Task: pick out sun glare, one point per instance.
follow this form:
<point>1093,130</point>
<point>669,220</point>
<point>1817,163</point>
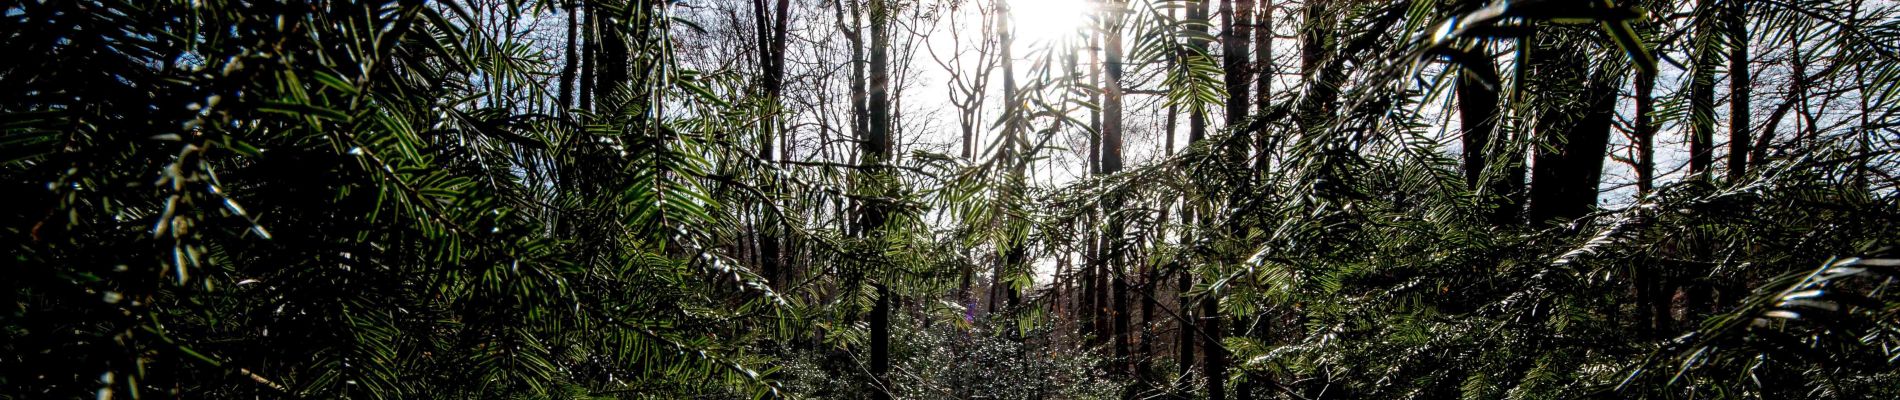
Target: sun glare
<point>1048,21</point>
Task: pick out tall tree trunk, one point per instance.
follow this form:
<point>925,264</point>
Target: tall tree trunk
<point>572,60</point>
<point>1016,254</point>
<point>1739,91</point>
<point>1702,100</point>
<point>1696,294</point>
<point>1645,133</point>
<point>1213,367</point>
<point>1111,164</point>
<point>876,146</point>
<point>1184,333</point>
<point>1264,72</point>
<point>1478,115</point>
<point>860,112</point>
<point>590,45</point>
<point>1574,120</point>
<point>1235,17</point>
<point>771,25</point>
<point>1652,304</point>
<point>612,75</point>
<point>1099,306</point>
<point>1316,39</point>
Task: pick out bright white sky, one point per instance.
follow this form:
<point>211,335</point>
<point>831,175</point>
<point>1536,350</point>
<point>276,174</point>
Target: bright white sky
<point>1044,21</point>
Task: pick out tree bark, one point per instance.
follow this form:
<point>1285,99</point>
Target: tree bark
<point>572,61</point>
<point>1263,71</point>
<point>1235,17</point>
<point>612,74</point>
<point>1739,91</point>
<point>771,25</point>
<point>1478,116</point>
<point>1645,133</point>
<point>1213,367</point>
<point>1702,102</point>
<point>1016,254</point>
<point>590,44</point>
<point>876,146</point>
<point>1575,114</point>
<point>1316,38</point>
<point>1111,164</point>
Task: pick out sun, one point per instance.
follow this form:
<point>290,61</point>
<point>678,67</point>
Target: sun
<point>1048,21</point>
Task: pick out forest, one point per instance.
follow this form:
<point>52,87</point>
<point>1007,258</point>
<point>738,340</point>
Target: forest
<point>950,199</point>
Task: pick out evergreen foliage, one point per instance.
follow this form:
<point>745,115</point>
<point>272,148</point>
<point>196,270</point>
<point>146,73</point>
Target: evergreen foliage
<point>404,199</point>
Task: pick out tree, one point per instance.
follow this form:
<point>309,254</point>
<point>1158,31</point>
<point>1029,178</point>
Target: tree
<point>875,147</point>
<point>1739,89</point>
<point>1574,113</point>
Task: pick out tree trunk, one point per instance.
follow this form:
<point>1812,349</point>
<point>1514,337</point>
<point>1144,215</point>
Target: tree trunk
<point>613,71</point>
<point>1478,115</point>
<point>881,343</point>
<point>1111,164</point>
<point>771,25</point>
<point>1574,120</point>
<point>1098,273</point>
<point>876,146</point>
<point>1215,366</point>
<point>1702,102</point>
<point>572,61</point>
<point>1264,71</point>
<point>1645,133</point>
<point>1652,302</point>
<point>860,112</point>
<point>590,45</point>
<point>1316,38</point>
<point>1016,253</point>
<point>1739,90</point>
<point>1213,369</point>
<point>1235,17</point>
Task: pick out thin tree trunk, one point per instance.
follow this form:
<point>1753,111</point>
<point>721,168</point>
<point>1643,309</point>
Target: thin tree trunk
<point>876,148</point>
<point>1702,103</point>
<point>1016,254</point>
<point>1739,90</point>
<point>1235,16</point>
<point>1215,366</point>
<point>1645,133</point>
<point>1478,115</point>
<point>1151,277</point>
<point>1652,309</point>
<point>1146,352</point>
<point>1098,272</point>
<point>1111,164</point>
<point>1321,88</point>
<point>1213,369</point>
<point>589,46</point>
<point>572,61</point>
<point>771,25</point>
<point>860,112</point>
<point>1264,71</point>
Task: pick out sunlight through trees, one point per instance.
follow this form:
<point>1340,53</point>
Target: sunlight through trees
<point>950,199</point>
